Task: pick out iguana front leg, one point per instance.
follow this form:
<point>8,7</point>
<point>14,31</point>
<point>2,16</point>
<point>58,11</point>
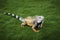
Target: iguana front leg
<point>33,28</point>
<point>40,26</point>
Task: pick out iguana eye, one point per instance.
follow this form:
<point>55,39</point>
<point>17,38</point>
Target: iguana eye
<point>39,17</point>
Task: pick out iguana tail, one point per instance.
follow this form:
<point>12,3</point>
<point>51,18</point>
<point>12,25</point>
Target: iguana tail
<point>15,16</point>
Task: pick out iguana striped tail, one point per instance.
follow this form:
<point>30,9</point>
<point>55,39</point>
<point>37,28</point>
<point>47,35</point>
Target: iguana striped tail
<point>15,16</point>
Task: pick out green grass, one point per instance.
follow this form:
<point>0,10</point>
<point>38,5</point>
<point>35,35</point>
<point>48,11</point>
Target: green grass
<point>10,28</point>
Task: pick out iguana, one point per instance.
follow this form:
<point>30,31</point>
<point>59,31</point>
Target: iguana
<point>35,22</point>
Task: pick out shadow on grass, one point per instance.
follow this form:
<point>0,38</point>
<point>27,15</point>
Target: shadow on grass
<point>56,3</point>
<point>3,3</point>
<point>55,35</point>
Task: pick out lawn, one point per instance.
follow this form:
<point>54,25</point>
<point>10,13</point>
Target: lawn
<point>10,28</point>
